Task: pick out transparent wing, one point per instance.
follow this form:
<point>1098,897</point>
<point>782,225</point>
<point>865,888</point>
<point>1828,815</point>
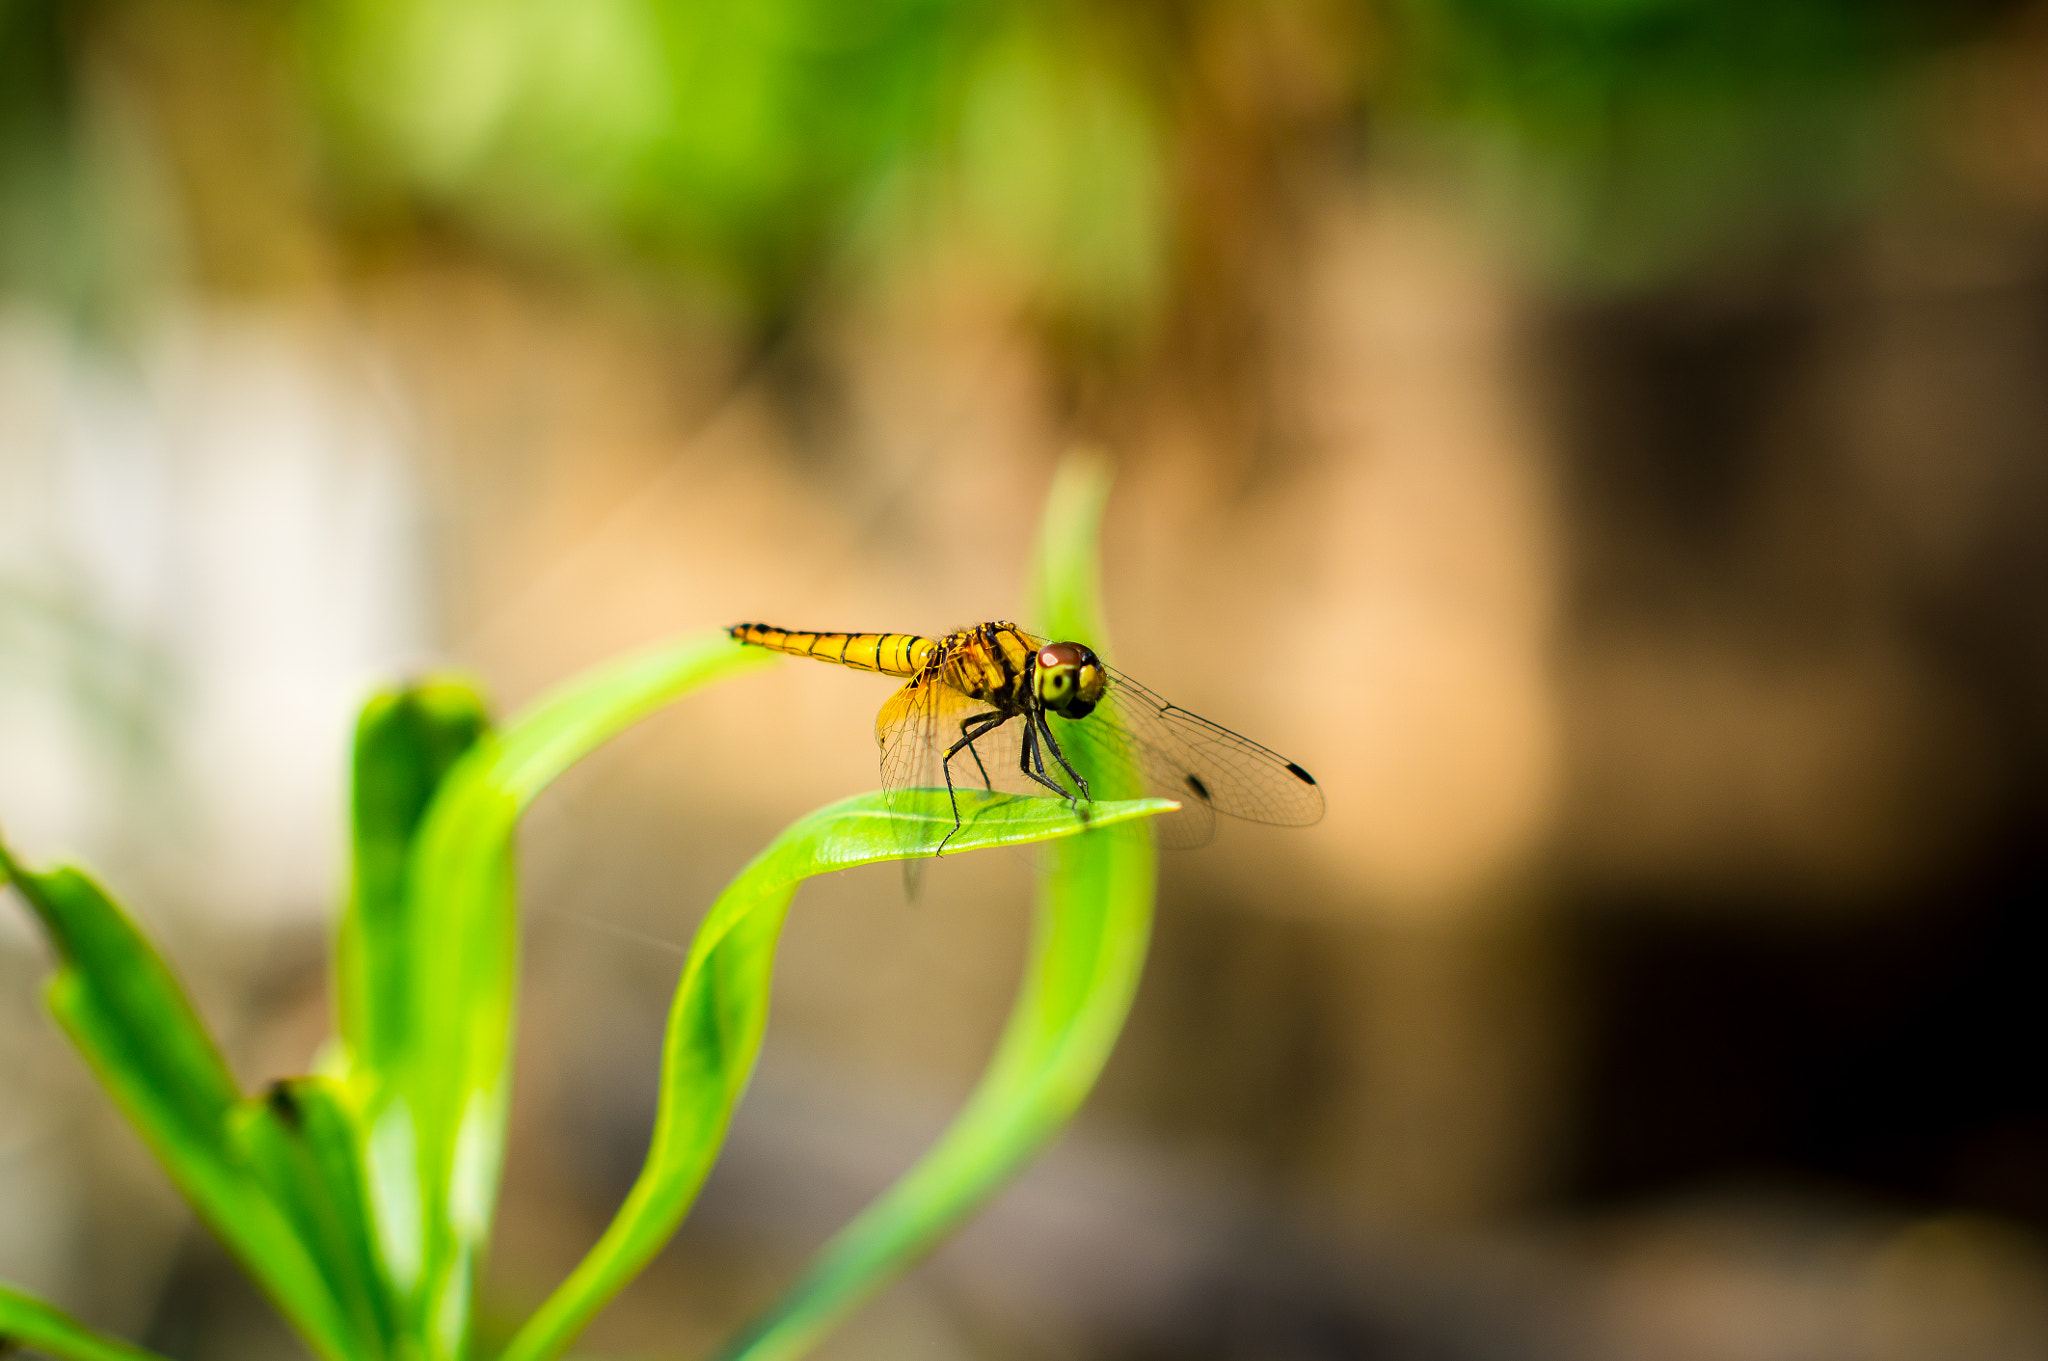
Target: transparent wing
<point>1187,755</point>
<point>1102,749</point>
<point>917,727</point>
<point>1135,743</point>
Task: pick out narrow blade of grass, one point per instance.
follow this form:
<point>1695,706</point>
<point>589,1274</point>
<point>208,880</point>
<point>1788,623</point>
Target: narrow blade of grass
<point>1088,948</point>
<point>126,1012</point>
<point>407,741</point>
<point>27,1322</point>
<point>433,1088</point>
<point>721,1005</point>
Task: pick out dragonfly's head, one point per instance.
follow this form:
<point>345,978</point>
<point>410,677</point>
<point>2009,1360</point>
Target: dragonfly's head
<point>1069,679</point>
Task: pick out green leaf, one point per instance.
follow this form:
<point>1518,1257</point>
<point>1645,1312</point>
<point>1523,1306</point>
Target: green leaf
<point>721,1005</point>
<point>28,1322</point>
<point>1088,948</point>
<point>407,740</point>
<point>302,1141</point>
<point>126,1012</point>
<point>432,1088</point>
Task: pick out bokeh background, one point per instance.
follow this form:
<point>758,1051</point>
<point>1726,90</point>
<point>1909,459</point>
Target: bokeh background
<point>1603,439</point>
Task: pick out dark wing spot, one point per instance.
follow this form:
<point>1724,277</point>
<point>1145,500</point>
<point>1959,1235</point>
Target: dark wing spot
<point>1201,790</point>
<point>1298,773</point>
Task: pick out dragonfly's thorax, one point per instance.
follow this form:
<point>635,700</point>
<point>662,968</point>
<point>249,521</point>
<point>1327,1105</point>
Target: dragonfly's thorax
<point>991,662</point>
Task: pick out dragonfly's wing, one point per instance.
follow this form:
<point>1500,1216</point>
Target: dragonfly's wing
<point>1135,743</point>
<point>1141,744</point>
<point>916,728</point>
<point>1230,773</point>
<point>1119,764</point>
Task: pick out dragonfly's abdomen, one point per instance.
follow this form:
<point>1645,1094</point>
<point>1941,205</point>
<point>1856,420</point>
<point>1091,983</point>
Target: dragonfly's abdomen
<point>892,654</point>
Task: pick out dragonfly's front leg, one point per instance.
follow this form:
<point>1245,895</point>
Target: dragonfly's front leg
<point>1028,757</point>
<point>1052,745</point>
<point>1033,764</point>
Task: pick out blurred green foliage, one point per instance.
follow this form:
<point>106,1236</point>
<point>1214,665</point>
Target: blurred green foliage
<point>361,1197</point>
<point>84,227</point>
<point>35,131</point>
<point>745,143</point>
<point>1617,140</point>
<point>742,153</point>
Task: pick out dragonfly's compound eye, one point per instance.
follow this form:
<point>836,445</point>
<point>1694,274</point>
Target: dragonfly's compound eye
<point>1070,679</point>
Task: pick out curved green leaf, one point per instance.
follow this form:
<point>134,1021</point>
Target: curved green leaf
<point>431,1089</point>
<point>1088,948</point>
<point>721,1005</point>
<point>27,1322</point>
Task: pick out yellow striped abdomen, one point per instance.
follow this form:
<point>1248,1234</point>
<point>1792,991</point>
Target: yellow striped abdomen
<point>892,654</point>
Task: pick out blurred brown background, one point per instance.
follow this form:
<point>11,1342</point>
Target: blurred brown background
<point>1602,439</point>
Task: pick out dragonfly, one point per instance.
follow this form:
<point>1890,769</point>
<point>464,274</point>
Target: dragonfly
<point>976,708</point>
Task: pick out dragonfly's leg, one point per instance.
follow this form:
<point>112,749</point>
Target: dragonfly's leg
<point>1052,745</point>
<point>1028,757</point>
<point>988,723</point>
<point>968,738</point>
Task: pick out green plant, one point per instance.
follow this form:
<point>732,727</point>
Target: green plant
<point>360,1198</point>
